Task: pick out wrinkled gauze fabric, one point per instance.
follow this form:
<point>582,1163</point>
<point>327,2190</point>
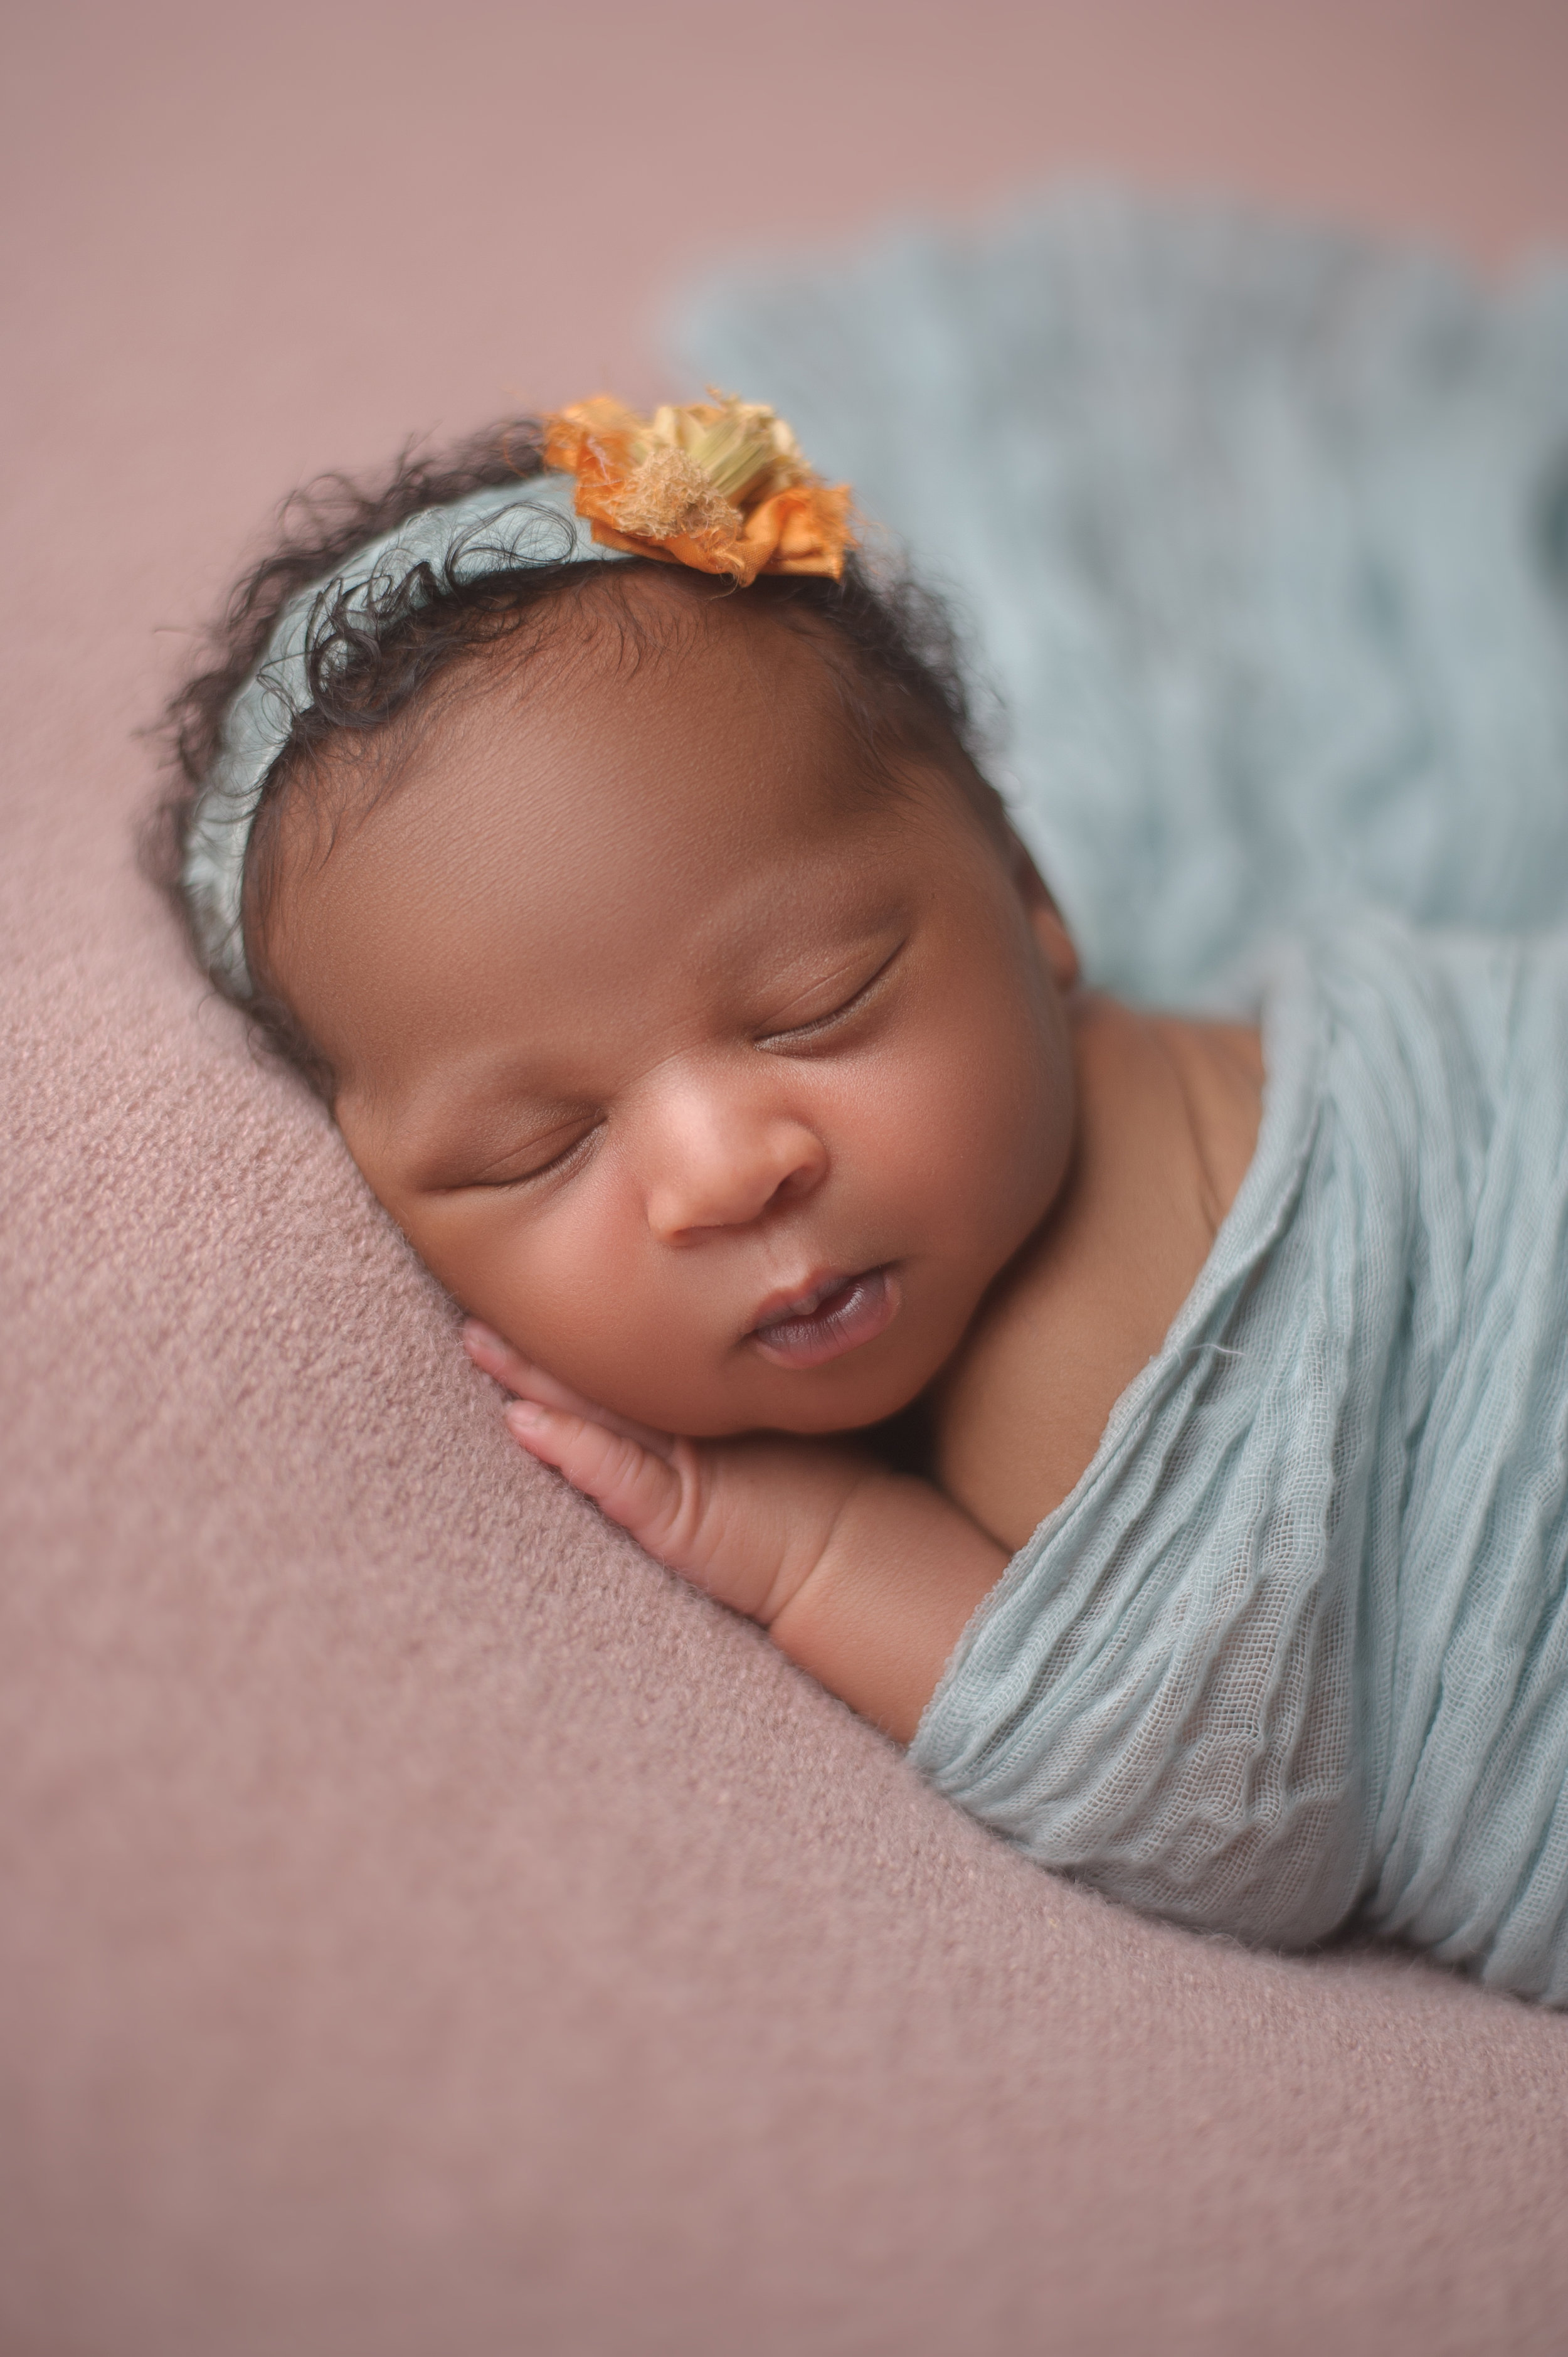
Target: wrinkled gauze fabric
<point>1298,1641</point>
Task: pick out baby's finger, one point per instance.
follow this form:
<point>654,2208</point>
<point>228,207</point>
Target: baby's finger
<point>497,1357</point>
<point>631,1484</point>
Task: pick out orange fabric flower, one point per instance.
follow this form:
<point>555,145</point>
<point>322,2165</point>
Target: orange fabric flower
<point>719,485</point>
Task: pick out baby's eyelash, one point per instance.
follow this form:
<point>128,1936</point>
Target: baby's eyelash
<point>836,1013</point>
<point>542,1169</point>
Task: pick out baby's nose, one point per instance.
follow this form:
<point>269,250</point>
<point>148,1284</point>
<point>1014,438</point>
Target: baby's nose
<point>720,1167</point>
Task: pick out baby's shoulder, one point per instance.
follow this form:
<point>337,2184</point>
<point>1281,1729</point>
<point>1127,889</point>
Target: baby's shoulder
<point>1166,1122</point>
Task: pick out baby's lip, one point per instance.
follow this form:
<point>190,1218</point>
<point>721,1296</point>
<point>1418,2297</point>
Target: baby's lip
<point>800,1301</point>
<point>835,1312</point>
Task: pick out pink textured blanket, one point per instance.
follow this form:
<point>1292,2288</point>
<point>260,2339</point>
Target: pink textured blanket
<point>426,1927</point>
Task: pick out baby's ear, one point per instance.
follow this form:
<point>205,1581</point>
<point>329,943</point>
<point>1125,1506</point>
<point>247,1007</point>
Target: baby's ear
<point>1056,943</point>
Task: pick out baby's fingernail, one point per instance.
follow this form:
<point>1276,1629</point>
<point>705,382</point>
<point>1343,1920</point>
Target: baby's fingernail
<point>526,1413</point>
<point>480,1338</point>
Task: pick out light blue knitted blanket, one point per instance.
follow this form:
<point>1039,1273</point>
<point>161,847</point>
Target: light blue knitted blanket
<point>1264,535</point>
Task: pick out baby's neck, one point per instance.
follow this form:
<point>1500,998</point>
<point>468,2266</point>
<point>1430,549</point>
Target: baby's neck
<point>1168,1121</point>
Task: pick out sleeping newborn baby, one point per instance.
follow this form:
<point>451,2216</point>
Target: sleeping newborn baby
<point>1157,1424</point>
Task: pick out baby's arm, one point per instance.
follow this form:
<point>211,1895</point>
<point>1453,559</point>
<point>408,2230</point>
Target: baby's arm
<point>863,1576</point>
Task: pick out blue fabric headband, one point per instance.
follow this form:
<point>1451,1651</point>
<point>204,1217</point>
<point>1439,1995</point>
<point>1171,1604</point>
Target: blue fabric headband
<point>492,531</point>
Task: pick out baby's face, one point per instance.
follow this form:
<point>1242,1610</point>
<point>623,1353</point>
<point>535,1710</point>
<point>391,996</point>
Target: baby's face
<point>717,1079</point>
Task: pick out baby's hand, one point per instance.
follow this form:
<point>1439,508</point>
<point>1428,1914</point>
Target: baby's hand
<point>865,1576</point>
<point>748,1519</point>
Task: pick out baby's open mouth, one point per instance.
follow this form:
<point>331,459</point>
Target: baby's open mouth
<point>834,1317</point>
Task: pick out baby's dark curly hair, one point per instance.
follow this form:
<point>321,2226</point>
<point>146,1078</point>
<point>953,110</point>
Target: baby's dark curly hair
<point>890,646</point>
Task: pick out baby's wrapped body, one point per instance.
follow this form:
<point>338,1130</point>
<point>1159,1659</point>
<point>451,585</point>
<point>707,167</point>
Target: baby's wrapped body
<point>1298,1644</point>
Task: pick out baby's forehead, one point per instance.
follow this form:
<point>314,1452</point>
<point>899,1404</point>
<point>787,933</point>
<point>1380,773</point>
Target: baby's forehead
<point>620,641</point>
<point>763,662</point>
<point>622,694</point>
<point>663,691</point>
<point>696,631</point>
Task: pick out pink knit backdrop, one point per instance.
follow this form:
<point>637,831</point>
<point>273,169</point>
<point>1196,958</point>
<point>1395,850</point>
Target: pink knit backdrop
<point>424,1927</point>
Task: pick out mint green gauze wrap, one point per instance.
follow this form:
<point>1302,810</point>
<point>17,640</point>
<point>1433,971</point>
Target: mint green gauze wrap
<point>1296,1646</point>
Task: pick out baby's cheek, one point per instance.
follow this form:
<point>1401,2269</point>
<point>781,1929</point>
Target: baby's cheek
<point>583,1296</point>
<point>524,1276</point>
<point>984,1136</point>
<point>561,1282</point>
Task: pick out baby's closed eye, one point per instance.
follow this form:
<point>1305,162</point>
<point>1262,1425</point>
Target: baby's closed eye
<point>525,1159</point>
<point>541,1159</point>
<point>827,1006</point>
